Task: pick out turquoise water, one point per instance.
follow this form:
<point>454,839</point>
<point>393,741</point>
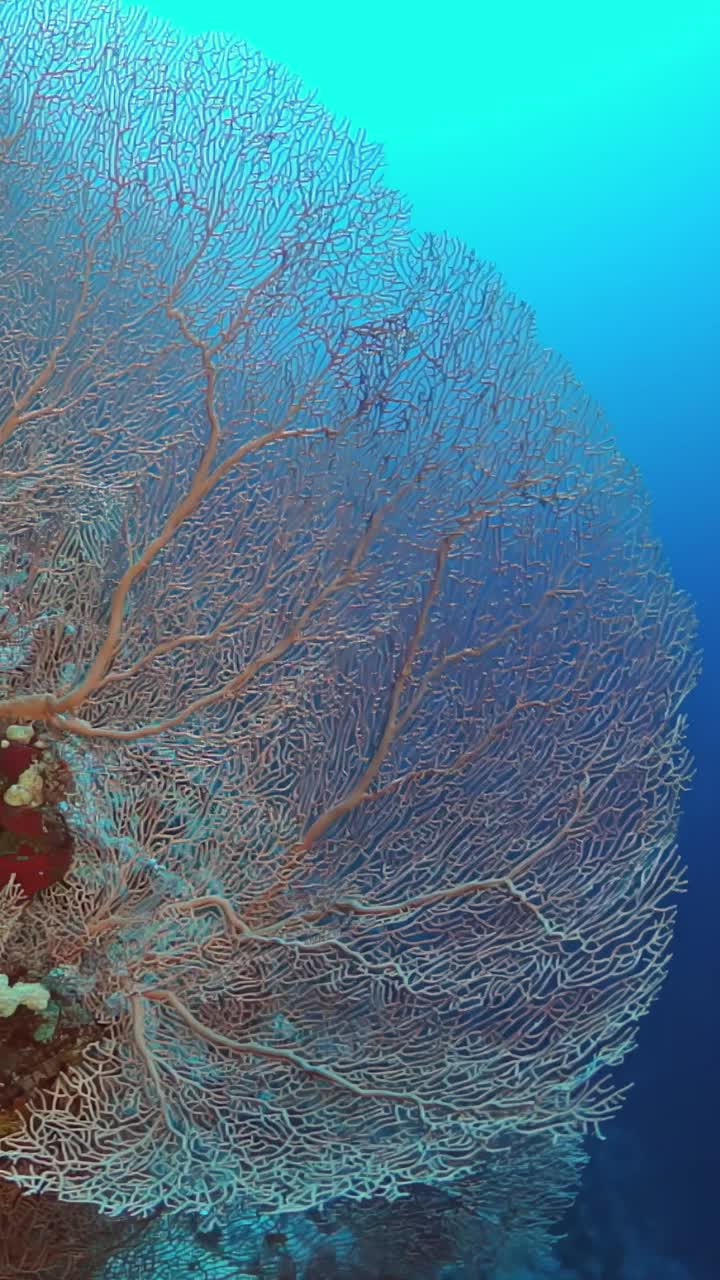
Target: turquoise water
<point>577,148</point>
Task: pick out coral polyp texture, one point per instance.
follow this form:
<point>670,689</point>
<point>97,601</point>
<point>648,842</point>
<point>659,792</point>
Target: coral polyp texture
<point>344,674</point>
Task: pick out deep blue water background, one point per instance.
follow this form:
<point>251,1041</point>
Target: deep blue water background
<point>577,148</point>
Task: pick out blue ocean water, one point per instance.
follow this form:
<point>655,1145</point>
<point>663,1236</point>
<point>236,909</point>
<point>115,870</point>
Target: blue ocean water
<point>576,147</point>
<point>577,150</point>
